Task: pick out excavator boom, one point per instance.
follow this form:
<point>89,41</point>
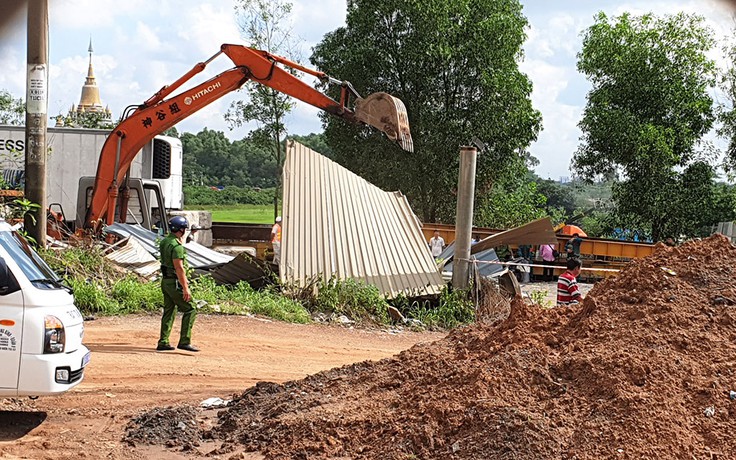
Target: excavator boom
<point>157,114</point>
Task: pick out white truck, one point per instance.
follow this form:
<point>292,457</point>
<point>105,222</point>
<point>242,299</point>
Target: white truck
<point>41,331</point>
<point>72,165</point>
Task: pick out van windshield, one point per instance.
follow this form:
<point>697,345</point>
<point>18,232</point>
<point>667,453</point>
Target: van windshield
<point>32,265</point>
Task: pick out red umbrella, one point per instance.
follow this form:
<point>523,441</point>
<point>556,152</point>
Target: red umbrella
<point>571,230</point>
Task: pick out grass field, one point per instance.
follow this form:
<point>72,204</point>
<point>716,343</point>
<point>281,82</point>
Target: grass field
<point>247,213</point>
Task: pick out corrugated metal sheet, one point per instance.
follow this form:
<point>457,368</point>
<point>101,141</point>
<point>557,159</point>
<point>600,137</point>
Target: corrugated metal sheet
<point>484,270</point>
<point>538,231</point>
<point>198,256</point>
<point>132,255</point>
<point>336,224</point>
<point>244,268</point>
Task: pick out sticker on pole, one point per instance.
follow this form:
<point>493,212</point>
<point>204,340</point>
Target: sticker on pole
<point>37,84</point>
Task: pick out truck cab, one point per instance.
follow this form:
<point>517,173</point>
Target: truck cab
<point>146,205</point>
<point>41,330</point>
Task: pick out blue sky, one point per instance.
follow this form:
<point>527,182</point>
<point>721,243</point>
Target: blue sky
<point>142,45</point>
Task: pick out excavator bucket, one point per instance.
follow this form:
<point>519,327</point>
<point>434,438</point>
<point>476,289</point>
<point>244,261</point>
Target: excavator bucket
<point>387,114</point>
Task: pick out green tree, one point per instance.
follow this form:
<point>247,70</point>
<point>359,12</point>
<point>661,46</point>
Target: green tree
<point>262,23</point>
<point>727,109</point>
<point>559,196</point>
<point>647,111</point>
<point>211,159</point>
<point>454,64</point>
<point>12,110</point>
<point>512,204</point>
<point>257,160</point>
<point>316,142</point>
<point>90,120</point>
<point>208,160</point>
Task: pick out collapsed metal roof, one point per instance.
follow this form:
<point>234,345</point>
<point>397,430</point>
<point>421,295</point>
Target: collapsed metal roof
<point>198,256</point>
<point>336,224</point>
<point>484,269</point>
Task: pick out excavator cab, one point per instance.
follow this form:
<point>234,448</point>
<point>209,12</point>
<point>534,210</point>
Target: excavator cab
<point>388,115</point>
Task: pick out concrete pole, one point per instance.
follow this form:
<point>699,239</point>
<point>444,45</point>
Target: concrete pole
<point>464,219</point>
<point>36,110</point>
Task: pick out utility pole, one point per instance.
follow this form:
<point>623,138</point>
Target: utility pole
<point>36,110</point>
<point>464,219</point>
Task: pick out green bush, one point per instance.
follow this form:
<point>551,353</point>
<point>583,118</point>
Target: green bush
<point>454,309</point>
<point>91,298</point>
<point>206,196</point>
<point>356,300</point>
<point>242,299</point>
<point>133,295</point>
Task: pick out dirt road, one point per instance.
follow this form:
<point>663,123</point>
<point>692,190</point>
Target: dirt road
<point>126,376</point>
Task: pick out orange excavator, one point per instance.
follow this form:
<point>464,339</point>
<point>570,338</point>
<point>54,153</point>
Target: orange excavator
<point>142,123</point>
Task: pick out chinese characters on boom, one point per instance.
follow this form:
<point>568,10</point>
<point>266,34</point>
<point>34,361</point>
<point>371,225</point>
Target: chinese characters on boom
<point>161,115</point>
<point>174,107</point>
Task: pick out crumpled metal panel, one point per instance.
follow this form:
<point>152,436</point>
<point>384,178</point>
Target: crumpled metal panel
<point>198,256</point>
<point>132,255</point>
<point>243,267</point>
<point>336,224</point>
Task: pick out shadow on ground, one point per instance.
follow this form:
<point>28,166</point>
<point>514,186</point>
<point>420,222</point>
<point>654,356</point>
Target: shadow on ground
<point>16,424</point>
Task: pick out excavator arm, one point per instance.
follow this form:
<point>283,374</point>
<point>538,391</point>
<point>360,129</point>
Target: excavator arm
<point>380,110</point>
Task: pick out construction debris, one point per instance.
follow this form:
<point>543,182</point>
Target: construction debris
<point>631,371</point>
<point>338,225</point>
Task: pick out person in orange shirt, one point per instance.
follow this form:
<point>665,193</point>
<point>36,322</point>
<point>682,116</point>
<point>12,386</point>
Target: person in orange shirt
<point>276,240</point>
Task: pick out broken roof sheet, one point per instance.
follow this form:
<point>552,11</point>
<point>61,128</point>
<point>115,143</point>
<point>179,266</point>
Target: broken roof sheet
<point>132,255</point>
<point>198,256</point>
<point>244,268</point>
<point>336,224</point>
<point>539,231</point>
<point>484,269</point>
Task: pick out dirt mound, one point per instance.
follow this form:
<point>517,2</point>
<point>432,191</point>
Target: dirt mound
<point>171,426</point>
<point>642,369</point>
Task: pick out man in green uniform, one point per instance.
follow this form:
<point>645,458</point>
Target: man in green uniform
<point>175,288</point>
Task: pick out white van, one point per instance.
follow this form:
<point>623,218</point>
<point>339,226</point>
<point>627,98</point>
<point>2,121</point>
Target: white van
<point>41,331</point>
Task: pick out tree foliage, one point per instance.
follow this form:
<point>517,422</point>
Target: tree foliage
<point>12,110</point>
<point>263,25</point>
<point>316,142</point>
<point>645,117</point>
<point>454,64</point>
<point>211,159</point>
<point>90,120</point>
<point>511,205</point>
<point>727,111</point>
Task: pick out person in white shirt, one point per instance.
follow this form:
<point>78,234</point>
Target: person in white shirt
<point>436,244</point>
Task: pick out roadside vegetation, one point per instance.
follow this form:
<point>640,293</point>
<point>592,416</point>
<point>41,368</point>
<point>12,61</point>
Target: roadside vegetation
<point>239,213</point>
<point>102,288</point>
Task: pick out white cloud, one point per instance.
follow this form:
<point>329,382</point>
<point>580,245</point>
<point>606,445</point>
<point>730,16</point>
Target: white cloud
<point>13,76</point>
<point>209,26</point>
<point>83,14</point>
<point>142,45</point>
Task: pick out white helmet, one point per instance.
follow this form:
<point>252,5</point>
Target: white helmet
<point>278,219</point>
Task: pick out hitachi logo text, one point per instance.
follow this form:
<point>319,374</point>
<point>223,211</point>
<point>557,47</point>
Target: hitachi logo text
<point>206,90</point>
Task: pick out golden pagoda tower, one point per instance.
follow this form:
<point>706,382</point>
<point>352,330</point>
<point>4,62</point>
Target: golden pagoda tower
<point>90,112</point>
<point>90,100</point>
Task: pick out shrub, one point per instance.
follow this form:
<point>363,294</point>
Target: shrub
<point>133,295</point>
<point>454,309</point>
<point>206,196</point>
<point>355,299</point>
